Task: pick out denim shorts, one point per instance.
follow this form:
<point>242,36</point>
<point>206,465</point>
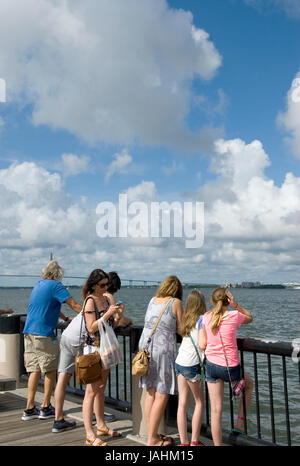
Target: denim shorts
<point>191,373</point>
<point>215,372</point>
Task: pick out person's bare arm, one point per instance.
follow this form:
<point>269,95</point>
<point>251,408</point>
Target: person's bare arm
<point>177,311</point>
<point>118,314</point>
<point>73,305</point>
<point>90,315</point>
<point>202,338</point>
<point>242,310</point>
<point>6,311</point>
<point>125,322</point>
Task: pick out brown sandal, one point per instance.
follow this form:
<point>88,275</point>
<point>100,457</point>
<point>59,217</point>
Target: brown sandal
<point>107,430</point>
<point>91,442</point>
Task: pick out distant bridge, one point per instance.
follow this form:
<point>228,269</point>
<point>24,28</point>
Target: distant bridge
<point>125,281</point>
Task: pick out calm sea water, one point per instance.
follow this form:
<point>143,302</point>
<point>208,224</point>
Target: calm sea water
<point>276,312</point>
<point>276,315</point>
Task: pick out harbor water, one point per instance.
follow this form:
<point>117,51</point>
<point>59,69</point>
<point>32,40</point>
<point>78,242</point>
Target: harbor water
<point>276,315</point>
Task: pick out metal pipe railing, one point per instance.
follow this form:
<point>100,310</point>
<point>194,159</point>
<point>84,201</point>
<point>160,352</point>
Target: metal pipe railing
<point>119,389</point>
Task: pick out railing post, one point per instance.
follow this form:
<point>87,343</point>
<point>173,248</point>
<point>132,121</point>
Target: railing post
<point>138,394</point>
<point>286,401</point>
<point>257,396</point>
<point>11,340</point>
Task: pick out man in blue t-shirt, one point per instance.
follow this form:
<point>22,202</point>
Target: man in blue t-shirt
<point>41,346</point>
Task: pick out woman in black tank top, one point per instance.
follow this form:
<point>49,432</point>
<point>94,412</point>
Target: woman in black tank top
<point>94,288</point>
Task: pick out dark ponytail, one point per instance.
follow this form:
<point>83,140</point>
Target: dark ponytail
<point>95,277</point>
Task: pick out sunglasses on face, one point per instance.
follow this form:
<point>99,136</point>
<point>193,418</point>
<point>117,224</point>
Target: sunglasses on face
<point>103,285</point>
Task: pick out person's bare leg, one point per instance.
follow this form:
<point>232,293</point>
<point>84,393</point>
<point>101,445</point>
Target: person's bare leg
<point>59,394</point>
<point>156,415</point>
<point>198,394</point>
<point>216,394</point>
<point>248,395</point>
<point>87,408</point>
<point>148,403</point>
<point>91,391</point>
<point>183,403</point>
<point>33,382</point>
<point>49,382</point>
<point>99,400</point>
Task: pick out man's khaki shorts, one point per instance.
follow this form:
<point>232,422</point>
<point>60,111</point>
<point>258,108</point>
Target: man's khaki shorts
<point>40,353</point>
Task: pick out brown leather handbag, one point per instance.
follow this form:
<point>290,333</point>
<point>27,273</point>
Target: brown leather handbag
<point>88,367</point>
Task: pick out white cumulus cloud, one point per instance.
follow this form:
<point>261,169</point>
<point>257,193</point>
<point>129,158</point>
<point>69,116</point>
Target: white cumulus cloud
<point>73,164</point>
<point>290,119</point>
<point>119,165</point>
<point>251,224</point>
<point>109,71</point>
<point>290,7</point>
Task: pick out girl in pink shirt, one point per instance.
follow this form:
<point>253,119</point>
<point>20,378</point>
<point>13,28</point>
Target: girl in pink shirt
<point>219,325</point>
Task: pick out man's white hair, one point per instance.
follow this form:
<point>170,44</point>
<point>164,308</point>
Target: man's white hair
<point>53,271</point>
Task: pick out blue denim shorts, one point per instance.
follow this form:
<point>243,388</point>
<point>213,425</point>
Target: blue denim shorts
<point>191,373</point>
<point>215,372</point>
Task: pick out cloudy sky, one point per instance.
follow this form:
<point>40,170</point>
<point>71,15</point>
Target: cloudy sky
<point>178,101</point>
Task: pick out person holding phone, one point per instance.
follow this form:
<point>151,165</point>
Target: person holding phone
<point>70,341</point>
<point>220,325</point>
<point>114,286</point>
<point>97,306</point>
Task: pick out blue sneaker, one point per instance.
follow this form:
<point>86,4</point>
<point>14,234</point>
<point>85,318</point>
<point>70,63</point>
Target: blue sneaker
<point>47,413</point>
<point>62,425</point>
<point>107,418</point>
<point>29,414</point>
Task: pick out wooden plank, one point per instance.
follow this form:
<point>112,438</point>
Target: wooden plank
<point>7,383</point>
<point>37,432</point>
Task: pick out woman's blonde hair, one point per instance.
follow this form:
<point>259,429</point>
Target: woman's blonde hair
<point>171,286</point>
<point>53,271</point>
<point>195,306</point>
<point>219,299</point>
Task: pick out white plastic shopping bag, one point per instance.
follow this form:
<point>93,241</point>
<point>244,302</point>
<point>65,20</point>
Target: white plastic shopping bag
<point>109,346</point>
<point>88,349</point>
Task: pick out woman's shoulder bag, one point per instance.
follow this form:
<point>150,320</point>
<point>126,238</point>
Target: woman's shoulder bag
<point>88,367</point>
<point>140,362</point>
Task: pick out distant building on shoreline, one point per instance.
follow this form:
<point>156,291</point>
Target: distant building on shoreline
<point>258,285</point>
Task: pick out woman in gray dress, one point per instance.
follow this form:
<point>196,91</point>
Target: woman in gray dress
<point>160,381</point>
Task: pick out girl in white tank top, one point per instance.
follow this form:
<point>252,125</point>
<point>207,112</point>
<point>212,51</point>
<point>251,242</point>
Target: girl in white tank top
<point>188,367</point>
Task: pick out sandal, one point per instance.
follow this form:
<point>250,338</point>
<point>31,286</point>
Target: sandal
<point>164,437</point>
<point>184,444</point>
<point>239,431</point>
<point>91,442</point>
<point>109,432</point>
<point>163,443</point>
<point>197,443</point>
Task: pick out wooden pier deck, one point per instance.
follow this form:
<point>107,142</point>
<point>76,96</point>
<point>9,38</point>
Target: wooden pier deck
<point>36,432</point>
